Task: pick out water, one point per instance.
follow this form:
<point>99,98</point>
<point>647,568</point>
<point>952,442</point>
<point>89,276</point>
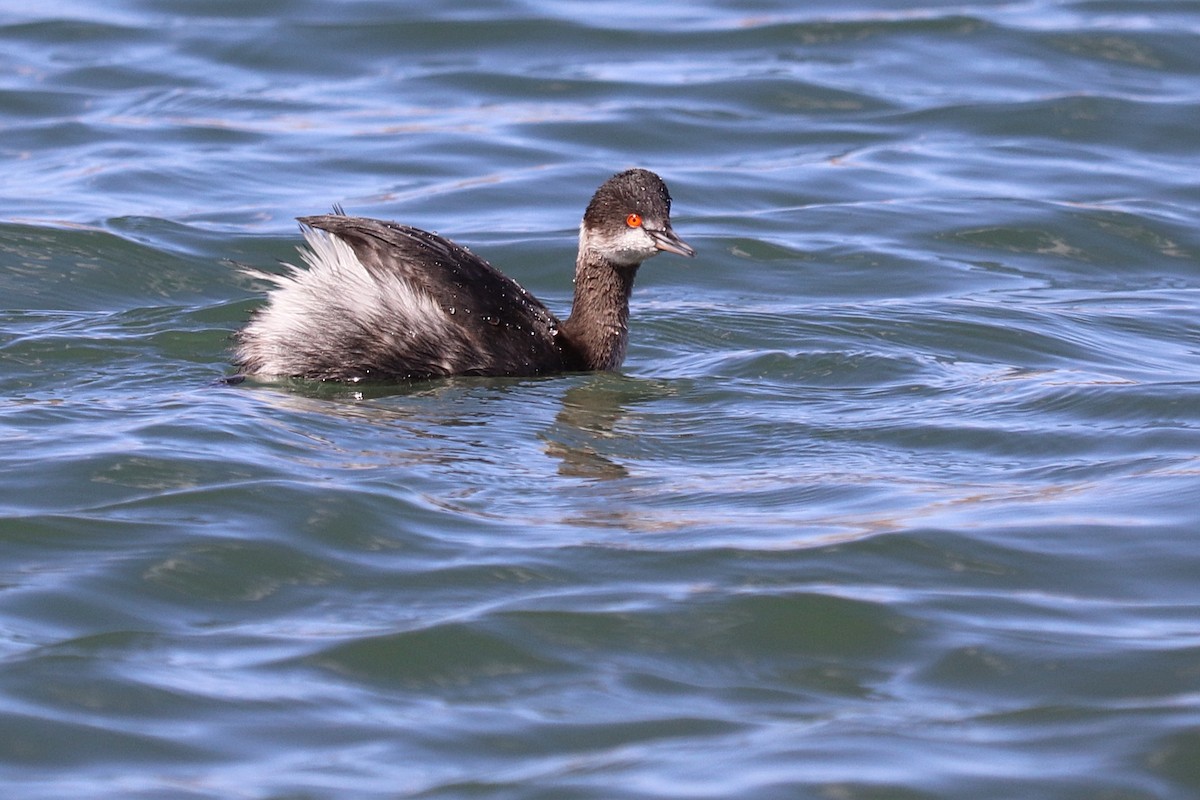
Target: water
<point>895,497</point>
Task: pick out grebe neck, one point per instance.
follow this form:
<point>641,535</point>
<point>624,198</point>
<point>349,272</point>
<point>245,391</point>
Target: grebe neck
<point>598,328</point>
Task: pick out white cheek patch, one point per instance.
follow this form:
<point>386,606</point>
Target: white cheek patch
<point>628,246</point>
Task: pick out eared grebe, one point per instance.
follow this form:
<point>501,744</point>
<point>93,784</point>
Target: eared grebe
<point>382,301</point>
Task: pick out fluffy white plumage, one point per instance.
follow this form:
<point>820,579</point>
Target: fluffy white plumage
<point>336,293</point>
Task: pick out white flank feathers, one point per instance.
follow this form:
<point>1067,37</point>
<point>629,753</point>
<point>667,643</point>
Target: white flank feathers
<point>335,295</point>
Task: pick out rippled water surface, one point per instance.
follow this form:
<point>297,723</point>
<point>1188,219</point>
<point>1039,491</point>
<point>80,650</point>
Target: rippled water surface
<point>897,494</point>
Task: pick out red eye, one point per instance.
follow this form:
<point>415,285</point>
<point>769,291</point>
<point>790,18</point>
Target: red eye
<point>634,220</point>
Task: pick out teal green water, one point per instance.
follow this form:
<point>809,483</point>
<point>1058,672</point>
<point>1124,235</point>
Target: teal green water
<point>897,494</point>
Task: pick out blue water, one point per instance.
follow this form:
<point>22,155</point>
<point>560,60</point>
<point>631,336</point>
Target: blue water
<point>896,496</point>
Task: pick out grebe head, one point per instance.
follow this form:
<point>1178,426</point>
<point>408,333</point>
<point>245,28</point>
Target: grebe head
<point>629,220</point>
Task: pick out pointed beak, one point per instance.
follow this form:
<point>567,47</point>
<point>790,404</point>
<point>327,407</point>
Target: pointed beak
<point>668,242</point>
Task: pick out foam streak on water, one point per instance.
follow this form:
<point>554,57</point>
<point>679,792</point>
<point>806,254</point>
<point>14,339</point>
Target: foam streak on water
<point>895,497</point>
